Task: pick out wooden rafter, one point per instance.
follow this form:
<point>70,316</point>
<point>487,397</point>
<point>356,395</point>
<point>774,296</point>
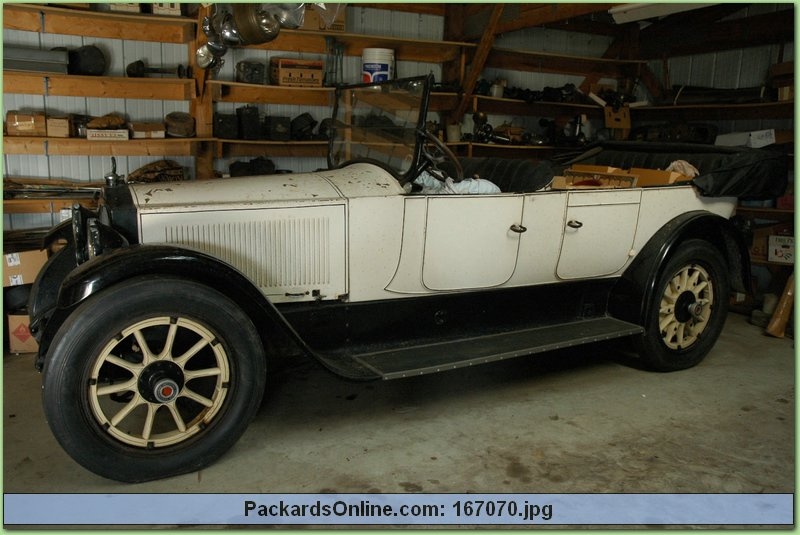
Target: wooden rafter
<point>521,16</point>
<point>478,61</point>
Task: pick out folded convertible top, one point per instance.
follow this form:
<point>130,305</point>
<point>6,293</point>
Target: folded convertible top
<point>750,174</point>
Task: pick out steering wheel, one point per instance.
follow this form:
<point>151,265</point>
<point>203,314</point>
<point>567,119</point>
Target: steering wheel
<point>438,154</point>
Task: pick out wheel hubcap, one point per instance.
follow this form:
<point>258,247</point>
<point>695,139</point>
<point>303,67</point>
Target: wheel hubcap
<point>159,382</point>
<point>686,307</point>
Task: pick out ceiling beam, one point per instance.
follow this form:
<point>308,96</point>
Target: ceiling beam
<point>665,40</point>
<point>522,16</point>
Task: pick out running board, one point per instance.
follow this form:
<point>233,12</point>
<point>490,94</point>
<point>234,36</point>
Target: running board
<point>395,363</point>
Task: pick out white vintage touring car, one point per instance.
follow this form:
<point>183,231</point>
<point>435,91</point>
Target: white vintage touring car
<point>156,319</point>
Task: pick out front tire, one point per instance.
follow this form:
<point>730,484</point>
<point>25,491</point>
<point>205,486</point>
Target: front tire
<point>152,378</point>
<point>687,310</point>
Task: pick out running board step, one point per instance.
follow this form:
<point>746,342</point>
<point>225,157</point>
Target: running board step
<point>449,355</point>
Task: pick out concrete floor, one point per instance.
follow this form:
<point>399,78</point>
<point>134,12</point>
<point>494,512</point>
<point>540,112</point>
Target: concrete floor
<point>567,422</point>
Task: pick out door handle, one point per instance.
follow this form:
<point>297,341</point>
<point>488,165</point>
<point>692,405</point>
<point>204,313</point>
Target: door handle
<point>574,224</point>
<point>519,229</point>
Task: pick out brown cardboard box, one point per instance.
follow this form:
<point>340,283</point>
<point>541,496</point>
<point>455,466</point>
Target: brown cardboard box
<point>147,130</point>
<point>22,268</point>
<point>98,134</point>
<point>26,124</point>
<point>20,339</point>
<point>128,7</point>
<point>59,126</point>
<point>296,72</point>
<point>314,22</point>
<point>781,249</point>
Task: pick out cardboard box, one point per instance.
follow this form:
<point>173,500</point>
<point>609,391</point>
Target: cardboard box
<point>781,249</point>
<point>97,134</point>
<point>760,245</point>
<point>313,21</point>
<point>296,72</point>
<point>26,124</point>
<point>754,139</point>
<point>22,268</point>
<point>147,130</point>
<point>166,8</point>
<point>59,126</point>
<point>127,7</point>
<point>20,339</point>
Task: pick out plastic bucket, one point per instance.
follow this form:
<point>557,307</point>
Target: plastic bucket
<point>377,64</point>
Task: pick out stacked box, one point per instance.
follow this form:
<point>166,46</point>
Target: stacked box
<point>296,72</point>
<point>22,267</point>
<point>26,124</point>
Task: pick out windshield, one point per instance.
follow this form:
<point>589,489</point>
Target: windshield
<point>378,123</point>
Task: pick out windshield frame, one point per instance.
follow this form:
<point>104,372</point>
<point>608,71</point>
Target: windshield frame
<point>404,161</point>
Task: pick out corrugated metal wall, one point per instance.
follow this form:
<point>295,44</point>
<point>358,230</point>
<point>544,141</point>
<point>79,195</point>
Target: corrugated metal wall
<point>741,68</point>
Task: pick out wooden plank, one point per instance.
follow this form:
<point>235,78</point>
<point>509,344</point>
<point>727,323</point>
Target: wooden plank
<point>24,145</point>
<point>423,8</point>
<point>152,28</point>
<point>354,45</point>
<point>274,149</point>
<point>518,16</point>
<point>131,147</point>
<point>42,18</point>
<point>519,60</point>
<point>22,17</point>
<point>271,94</point>
<point>478,62</point>
<point>24,83</point>
<point>44,206</point>
<point>506,106</point>
<point>699,38</point>
<point>82,147</point>
<point>119,87</point>
<point>716,112</point>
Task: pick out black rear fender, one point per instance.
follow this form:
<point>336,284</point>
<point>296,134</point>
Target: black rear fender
<point>155,261</point>
<point>630,297</point>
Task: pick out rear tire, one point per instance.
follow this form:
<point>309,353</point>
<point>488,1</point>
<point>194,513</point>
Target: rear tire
<point>152,378</point>
<point>688,308</point>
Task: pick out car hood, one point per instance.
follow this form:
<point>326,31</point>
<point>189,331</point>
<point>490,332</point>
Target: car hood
<point>357,180</point>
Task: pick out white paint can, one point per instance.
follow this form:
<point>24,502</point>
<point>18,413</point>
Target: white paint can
<point>377,64</point>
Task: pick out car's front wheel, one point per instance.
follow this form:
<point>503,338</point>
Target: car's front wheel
<point>152,378</point>
<point>688,308</point>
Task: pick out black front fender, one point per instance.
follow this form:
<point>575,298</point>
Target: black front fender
<point>630,297</point>
<point>156,261</point>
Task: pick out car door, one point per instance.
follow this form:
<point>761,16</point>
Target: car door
<point>599,229</point>
<point>471,241</point>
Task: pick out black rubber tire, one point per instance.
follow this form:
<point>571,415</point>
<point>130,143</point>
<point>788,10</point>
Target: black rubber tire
<point>662,351</point>
<point>97,324</point>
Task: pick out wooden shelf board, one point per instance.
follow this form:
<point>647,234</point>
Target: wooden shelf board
<point>231,148</point>
<point>354,44</point>
<point>82,147</point>
<point>223,91</point>
<point>714,112</point>
<point>507,106</point>
<point>55,84</point>
<point>86,23</point>
<point>37,206</point>
<point>520,60</point>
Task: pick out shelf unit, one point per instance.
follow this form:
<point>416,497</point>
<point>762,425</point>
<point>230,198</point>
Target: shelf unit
<point>112,25</point>
<point>184,30</point>
<point>46,19</point>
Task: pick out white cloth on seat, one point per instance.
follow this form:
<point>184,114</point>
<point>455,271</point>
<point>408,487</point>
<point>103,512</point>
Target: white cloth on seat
<point>433,186</point>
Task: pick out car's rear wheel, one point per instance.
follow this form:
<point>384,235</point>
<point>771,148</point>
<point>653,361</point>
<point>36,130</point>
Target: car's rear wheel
<point>688,308</point>
<point>152,378</point>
